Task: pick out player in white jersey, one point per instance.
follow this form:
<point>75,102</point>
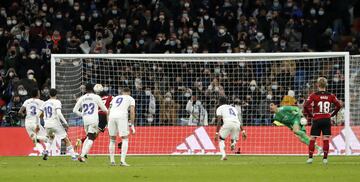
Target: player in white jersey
<point>55,123</point>
<point>89,104</point>
<point>32,120</point>
<point>228,115</point>
<point>119,123</point>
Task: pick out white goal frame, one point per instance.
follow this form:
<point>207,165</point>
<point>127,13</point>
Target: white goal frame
<point>242,56</point>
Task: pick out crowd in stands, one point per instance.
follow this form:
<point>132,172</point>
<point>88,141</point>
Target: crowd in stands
<point>32,30</point>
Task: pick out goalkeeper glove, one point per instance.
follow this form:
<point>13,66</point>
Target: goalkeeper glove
<point>277,123</point>
<point>303,121</point>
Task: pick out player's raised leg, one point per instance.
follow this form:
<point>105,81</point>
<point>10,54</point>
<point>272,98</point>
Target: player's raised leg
<point>303,137</point>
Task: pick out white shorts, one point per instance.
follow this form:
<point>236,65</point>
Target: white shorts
<point>118,126</point>
<point>92,128</point>
<point>59,131</point>
<point>233,129</point>
<point>31,129</point>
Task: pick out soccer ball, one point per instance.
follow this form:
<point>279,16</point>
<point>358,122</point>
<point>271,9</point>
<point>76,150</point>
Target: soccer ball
<point>98,88</point>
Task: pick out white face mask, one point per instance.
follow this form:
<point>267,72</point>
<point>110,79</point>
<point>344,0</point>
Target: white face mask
<point>106,89</point>
<point>217,70</point>
<point>31,76</point>
<point>252,88</point>
<point>32,56</point>
<point>206,17</point>
<point>221,31</point>
<point>312,11</point>
<point>148,92</point>
<point>198,102</point>
<point>82,18</point>
<point>22,92</point>
<point>241,64</point>
<point>167,99</point>
<point>336,79</point>
<point>11,74</point>
<point>187,94</point>
<point>269,97</point>
<point>274,87</point>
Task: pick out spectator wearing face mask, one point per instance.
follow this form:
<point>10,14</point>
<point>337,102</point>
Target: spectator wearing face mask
<point>168,108</point>
<point>73,46</point>
<point>223,40</point>
<point>27,83</point>
<point>36,34</point>
<point>22,92</point>
<point>198,114</point>
<point>11,59</point>
<point>9,84</point>
<point>33,64</point>
<point>103,38</point>
<point>12,118</point>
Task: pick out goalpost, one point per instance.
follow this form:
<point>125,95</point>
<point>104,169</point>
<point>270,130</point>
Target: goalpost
<point>176,97</point>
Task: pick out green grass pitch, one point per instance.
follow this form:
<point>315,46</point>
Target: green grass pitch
<point>181,168</point>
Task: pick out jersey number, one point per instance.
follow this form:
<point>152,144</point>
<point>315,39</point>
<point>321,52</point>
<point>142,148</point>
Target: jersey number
<point>231,111</point>
<point>33,110</point>
<point>89,108</point>
<point>119,101</point>
<point>324,106</point>
<point>48,112</point>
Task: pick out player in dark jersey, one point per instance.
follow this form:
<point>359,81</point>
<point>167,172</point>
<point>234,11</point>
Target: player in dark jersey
<point>106,98</point>
<point>318,106</point>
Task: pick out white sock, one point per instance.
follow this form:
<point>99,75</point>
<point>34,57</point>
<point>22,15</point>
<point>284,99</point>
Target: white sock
<point>49,144</point>
<point>112,150</point>
<point>71,151</point>
<point>88,146</point>
<point>222,148</point>
<point>124,149</point>
<point>83,150</point>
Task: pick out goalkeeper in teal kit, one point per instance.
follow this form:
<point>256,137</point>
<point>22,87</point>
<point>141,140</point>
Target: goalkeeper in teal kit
<point>292,117</point>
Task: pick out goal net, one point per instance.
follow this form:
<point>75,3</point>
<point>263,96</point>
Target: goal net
<point>176,97</point>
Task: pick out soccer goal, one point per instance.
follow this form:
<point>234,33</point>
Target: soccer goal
<point>176,97</point>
